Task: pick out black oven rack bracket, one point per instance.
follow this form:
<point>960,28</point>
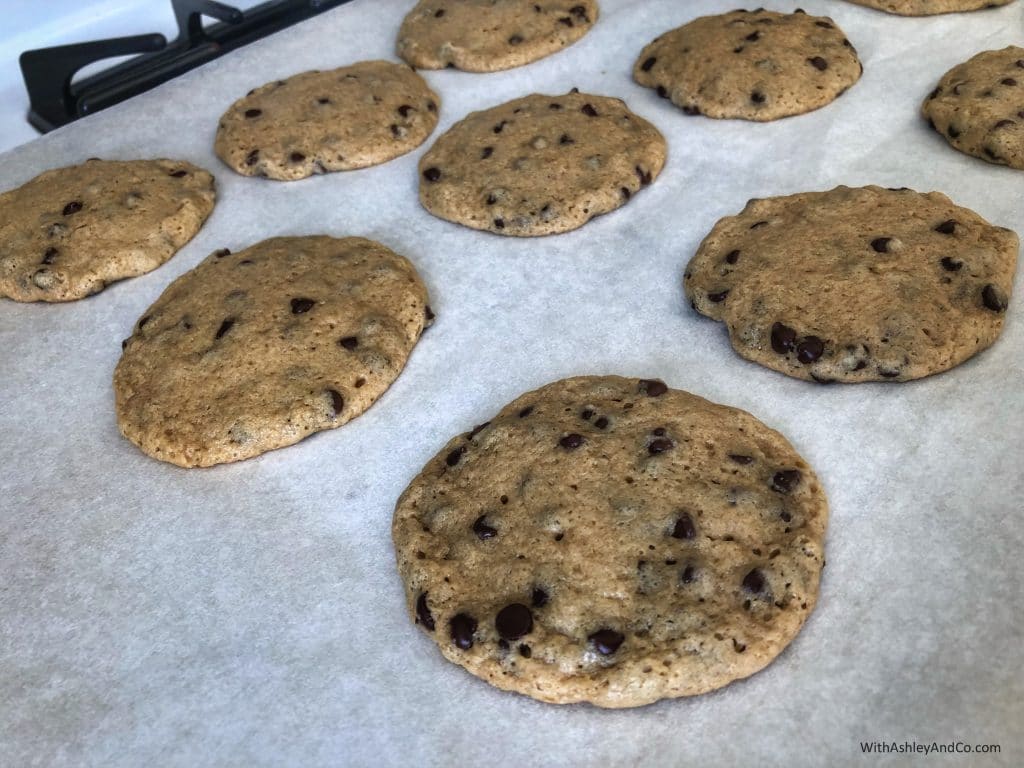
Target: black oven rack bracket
<point>48,72</point>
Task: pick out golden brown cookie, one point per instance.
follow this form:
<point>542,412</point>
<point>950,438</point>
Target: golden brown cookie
<point>540,165</point>
<point>319,122</point>
<point>490,35</point>
<point>929,7</point>
<point>614,541</point>
<point>852,285</point>
<point>70,232</point>
<point>257,350</point>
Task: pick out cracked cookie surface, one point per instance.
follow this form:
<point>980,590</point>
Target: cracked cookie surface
<point>855,284</point>
<point>69,232</point>
<point>257,350</point>
<point>612,540</point>
<point>491,35</point>
<point>540,165</point>
<point>978,106</point>
<point>754,65</point>
<point>319,122</point>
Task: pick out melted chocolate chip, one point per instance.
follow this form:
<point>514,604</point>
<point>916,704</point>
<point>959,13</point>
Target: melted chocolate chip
<point>566,139</point>
<point>525,652</point>
<point>73,207</point>
<point>718,296</point>
<point>486,152</point>
<point>684,528</point>
<point>477,430</point>
<point>300,306</point>
<point>296,157</point>
<point>645,176</point>
<point>515,40</point>
<point>526,412</point>
<point>732,257</point>
<point>688,575</point>
<point>601,423</point>
<point>178,174</point>
<point>783,338</point>
<point>348,342</point>
<point>739,459</point>
<point>785,480</point>
<point>993,298</point>
<point>455,456</point>
<point>423,615</point>
<point>951,265</point>
<point>50,255</point>
<point>428,313</point>
<point>514,621</point>
<point>252,157</point>
<point>881,244</point>
<point>572,441</point>
<point>482,530</point>
<point>224,328</point>
<point>432,174</point>
<point>250,113</point>
<point>653,387</point>
<point>1008,81</point>
<point>462,627</point>
<point>659,445</point>
<point>754,582</point>
<point>337,401</point>
<point>818,63</point>
<point>539,598</point>
<point>809,349</point>
<point>753,36</point>
<point>757,97</point>
<point>606,641</point>
<point>947,227</point>
<point>648,63</point>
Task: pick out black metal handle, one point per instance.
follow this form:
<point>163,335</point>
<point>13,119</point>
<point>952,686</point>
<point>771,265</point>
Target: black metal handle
<point>189,14</point>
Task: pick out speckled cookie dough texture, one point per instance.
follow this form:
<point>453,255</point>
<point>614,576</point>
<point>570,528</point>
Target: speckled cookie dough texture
<point>978,106</point>
<point>614,541</point>
<point>754,65</point>
<point>70,232</point>
<point>256,350</point>
<point>540,165</point>
<point>319,122</point>
<point>852,285</point>
<point>490,35</point>
<point>929,7</point>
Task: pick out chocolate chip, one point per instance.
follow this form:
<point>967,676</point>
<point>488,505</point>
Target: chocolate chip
<point>783,338</point>
<point>753,36</point>
<point>626,194</point>
<point>1003,124</point>
<point>648,63</point>
<point>224,328</point>
<point>659,445</point>
<point>539,598</point>
<point>588,110</point>
<point>690,110</point>
<point>525,652</point>
<point>432,174</point>
<point>754,582</point>
<point>659,432</point>
<point>428,313</point>
<point>809,349</point>
<point>498,128</point>
<point>823,24</point>
<point>486,152</point>
<point>684,528</point>
<point>491,199</point>
<point>431,106</point>
<point>718,296</point>
<point>325,100</point>
<point>482,530</point>
<point>757,97</point>
<point>935,92</point>
<point>359,382</point>
<point>499,223</point>
<point>566,139</point>
<point>515,40</point>
<point>462,627</point>
<point>73,207</point>
<point>477,430</point>
<point>951,265</point>
<point>178,174</point>
<point>740,459</point>
<point>785,480</point>
<point>526,412</point>
<point>947,227</point>
<point>759,224</point>
<point>337,401</point>
<point>606,641</point>
<point>513,621</point>
<point>349,342</point>
<point>644,176</point>
<point>50,255</point>
<point>688,575</point>
<point>423,615</point>
<point>554,106</point>
<point>993,298</point>
<point>253,113</point>
<point>653,387</point>
<point>587,414</point>
<point>601,423</point>
<point>1008,81</point>
<point>818,63</point>
<point>297,157</point>
<point>732,257</point>
<point>881,244</point>
<point>252,157</point>
<point>455,456</point>
<point>396,131</point>
<point>300,306</point>
<point>952,132</point>
<point>572,441</point>
<point>662,91</point>
<point>220,253</point>
<point>439,13</point>
<point>579,10</point>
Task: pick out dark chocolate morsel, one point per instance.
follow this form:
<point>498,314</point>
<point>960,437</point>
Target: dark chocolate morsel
<point>684,527</point>
<point>809,349</point>
<point>783,338</point>
<point>514,621</point>
<point>337,401</point>
<point>455,456</point>
<point>659,445</point>
<point>947,227</point>
<point>73,207</point>
<point>224,327</point>
<point>482,530</point>
<point>653,387</point>
<point>606,641</point>
<point>539,598</point>
<point>648,63</point>
<point>754,581</point>
<point>348,342</point>
<point>993,298</point>
<point>423,615</point>
<point>462,627</point>
<point>572,441</point>
<point>253,113</point>
<point>739,459</point>
<point>300,306</point>
<point>818,63</point>
<point>718,296</point>
<point>785,480</point>
<point>881,244</point>
<point>432,174</point>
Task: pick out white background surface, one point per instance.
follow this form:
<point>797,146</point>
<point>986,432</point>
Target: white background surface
<point>251,614</point>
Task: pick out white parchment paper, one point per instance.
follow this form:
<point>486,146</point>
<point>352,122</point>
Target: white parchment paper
<point>251,614</point>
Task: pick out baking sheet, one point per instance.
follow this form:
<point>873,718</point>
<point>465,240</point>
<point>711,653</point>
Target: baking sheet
<point>251,614</point>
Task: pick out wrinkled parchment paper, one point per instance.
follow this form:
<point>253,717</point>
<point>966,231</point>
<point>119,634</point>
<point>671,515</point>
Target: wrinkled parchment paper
<point>251,614</point>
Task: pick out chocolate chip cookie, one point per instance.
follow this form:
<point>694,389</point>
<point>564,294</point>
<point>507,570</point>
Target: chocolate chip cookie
<point>319,122</point>
<point>256,350</point>
<point>929,7</point>
<point>540,165</point>
<point>70,232</point>
<point>864,284</point>
<point>754,65</point>
<point>614,541</point>
<point>490,35</point>
<point>978,106</point>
